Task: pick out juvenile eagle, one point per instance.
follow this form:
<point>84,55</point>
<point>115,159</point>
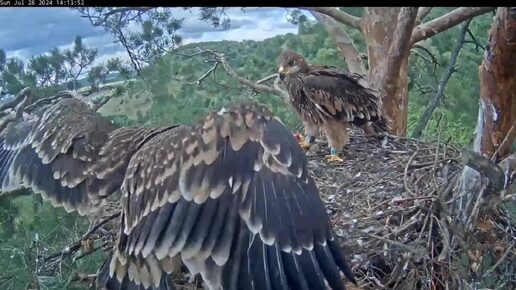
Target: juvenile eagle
<point>230,196</point>
<point>329,99</point>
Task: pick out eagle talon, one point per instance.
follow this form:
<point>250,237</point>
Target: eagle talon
<point>333,158</point>
<point>303,142</point>
<point>305,145</point>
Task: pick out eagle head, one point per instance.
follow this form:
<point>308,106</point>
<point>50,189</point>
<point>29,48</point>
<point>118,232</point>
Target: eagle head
<point>291,63</point>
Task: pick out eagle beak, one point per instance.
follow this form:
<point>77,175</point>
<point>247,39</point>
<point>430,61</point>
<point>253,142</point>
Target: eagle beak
<point>282,73</point>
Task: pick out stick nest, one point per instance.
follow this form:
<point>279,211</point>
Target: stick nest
<point>379,201</point>
<point>386,204</point>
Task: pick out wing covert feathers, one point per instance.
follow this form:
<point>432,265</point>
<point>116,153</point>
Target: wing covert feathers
<point>232,198</point>
<point>341,96</point>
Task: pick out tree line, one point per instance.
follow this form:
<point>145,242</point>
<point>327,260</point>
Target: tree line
<point>58,69</point>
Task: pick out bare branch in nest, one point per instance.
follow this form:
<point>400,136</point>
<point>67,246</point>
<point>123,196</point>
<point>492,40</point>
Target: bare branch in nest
<point>507,141</point>
<point>416,251</point>
<point>485,167</point>
<point>405,173</point>
<point>502,258</point>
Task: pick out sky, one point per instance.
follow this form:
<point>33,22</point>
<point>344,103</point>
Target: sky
<point>31,31</point>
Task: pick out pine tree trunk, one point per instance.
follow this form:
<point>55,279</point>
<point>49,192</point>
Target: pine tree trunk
<point>388,63</point>
<point>498,87</point>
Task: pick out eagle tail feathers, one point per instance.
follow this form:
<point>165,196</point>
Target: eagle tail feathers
<point>381,126</point>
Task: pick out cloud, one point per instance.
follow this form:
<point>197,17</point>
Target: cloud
<point>31,31</point>
<point>36,30</point>
<point>105,57</point>
<point>249,23</point>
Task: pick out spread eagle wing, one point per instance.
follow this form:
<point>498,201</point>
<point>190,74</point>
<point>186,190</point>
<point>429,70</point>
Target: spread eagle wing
<point>340,96</point>
<point>69,154</point>
<point>232,198</point>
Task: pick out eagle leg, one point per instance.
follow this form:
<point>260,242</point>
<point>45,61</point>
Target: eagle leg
<point>334,156</point>
<point>337,136</point>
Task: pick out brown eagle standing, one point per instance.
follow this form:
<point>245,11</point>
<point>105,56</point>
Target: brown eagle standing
<point>230,197</point>
<point>329,99</point>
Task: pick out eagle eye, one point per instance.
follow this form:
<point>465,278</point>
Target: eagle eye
<point>292,63</point>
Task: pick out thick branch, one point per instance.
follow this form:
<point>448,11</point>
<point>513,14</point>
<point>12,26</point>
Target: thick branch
<point>399,46</point>
<point>446,22</point>
<point>422,13</point>
<point>340,16</point>
<point>427,114</point>
<point>343,41</point>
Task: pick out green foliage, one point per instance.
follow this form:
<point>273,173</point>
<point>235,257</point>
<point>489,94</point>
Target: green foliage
<point>57,69</point>
<point>146,32</point>
<point>78,59</point>
<point>460,107</point>
<point>30,228</point>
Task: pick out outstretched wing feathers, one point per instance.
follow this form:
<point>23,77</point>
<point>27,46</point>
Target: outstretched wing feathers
<point>341,95</point>
<point>71,155</point>
<point>51,152</point>
<point>230,197</point>
<point>230,191</point>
